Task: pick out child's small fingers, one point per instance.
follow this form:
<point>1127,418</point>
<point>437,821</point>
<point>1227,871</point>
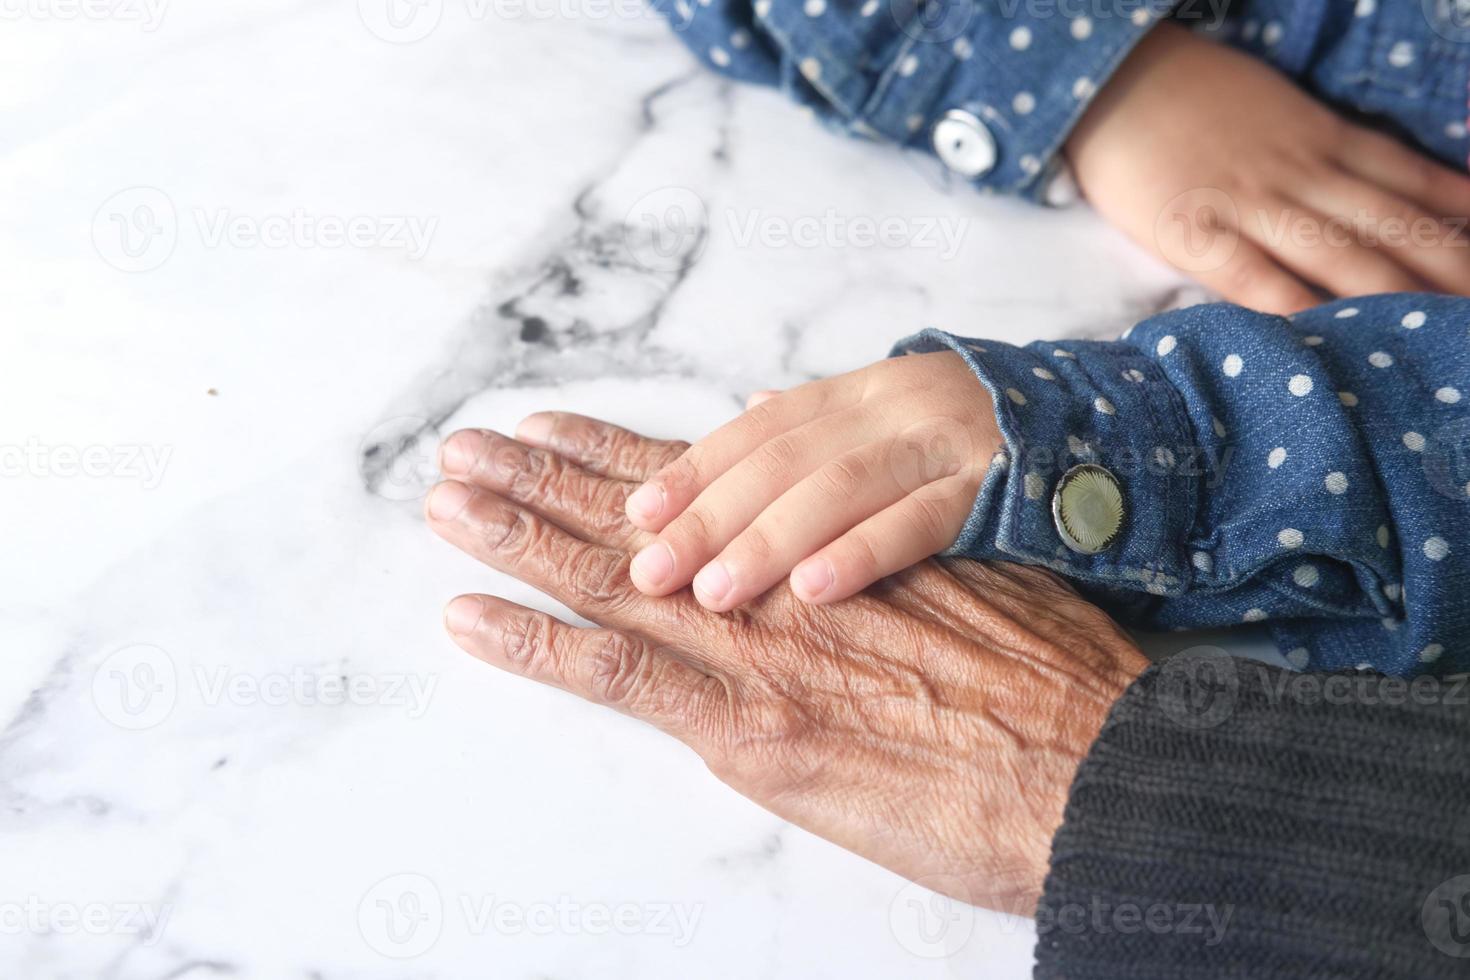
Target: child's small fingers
<point>922,524</point>
<point>669,491</point>
<point>1390,164</point>
<point>1365,214</point>
<point>1296,238</point>
<point>842,493</point>
<point>736,497</point>
<point>761,396</point>
<point>1253,278</point>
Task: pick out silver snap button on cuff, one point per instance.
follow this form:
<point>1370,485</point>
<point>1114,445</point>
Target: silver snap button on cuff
<point>1088,509</point>
<point>964,144</point>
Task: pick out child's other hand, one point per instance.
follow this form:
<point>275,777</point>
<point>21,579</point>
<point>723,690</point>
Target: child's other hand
<point>838,483</point>
<point>1228,171</point>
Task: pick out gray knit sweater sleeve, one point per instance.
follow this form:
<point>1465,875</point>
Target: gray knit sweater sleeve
<point>1237,820</point>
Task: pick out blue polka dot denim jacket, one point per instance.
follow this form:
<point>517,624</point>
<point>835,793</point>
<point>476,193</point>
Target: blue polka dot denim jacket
<point>1312,473</point>
<point>1018,74</point>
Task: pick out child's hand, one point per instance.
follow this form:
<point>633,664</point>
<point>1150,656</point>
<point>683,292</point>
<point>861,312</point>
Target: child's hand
<point>844,480</point>
<point>1224,168</point>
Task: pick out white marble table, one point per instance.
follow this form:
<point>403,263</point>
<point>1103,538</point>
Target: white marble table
<point>246,248</point>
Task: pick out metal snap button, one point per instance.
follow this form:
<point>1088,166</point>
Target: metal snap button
<point>1088,509</point>
<point>964,144</point>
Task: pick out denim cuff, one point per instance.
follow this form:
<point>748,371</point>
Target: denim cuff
<point>1027,72</point>
<point>1059,405</point>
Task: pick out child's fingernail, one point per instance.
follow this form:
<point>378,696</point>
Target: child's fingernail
<point>646,503</point>
<point>712,583</point>
<point>653,565</point>
<point>812,577</point>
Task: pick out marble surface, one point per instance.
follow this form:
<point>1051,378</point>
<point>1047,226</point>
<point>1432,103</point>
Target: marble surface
<point>257,257</point>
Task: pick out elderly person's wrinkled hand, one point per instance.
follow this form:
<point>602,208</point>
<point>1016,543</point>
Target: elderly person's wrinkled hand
<point>932,723</point>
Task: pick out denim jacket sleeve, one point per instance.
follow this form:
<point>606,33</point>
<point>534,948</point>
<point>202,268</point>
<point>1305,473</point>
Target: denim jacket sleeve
<point>993,89</point>
<point>1311,474</point>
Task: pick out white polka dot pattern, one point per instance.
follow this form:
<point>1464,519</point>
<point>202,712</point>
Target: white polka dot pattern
<point>1313,484</point>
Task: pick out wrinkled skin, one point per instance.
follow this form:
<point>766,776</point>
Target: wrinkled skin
<point>932,723</point>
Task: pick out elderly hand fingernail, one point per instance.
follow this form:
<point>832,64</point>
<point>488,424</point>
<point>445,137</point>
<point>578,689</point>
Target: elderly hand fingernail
<point>535,429</point>
<point>652,566</point>
<point>646,502</point>
<point>460,450</point>
<point>463,614</point>
<point>812,577</point>
<point>712,583</point>
<point>447,500</point>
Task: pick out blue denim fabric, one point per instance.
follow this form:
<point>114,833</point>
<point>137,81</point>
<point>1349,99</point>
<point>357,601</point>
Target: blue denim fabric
<point>1405,63</point>
<point>1310,473</point>
<point>890,69</point>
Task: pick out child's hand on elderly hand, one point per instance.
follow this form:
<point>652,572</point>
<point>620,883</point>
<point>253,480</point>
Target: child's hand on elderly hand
<point>837,483</point>
<point>1228,171</point>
